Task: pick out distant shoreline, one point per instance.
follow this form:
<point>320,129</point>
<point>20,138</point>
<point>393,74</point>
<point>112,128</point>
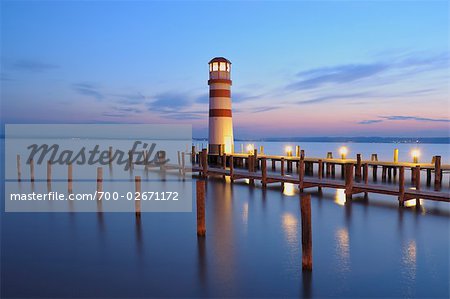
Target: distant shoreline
<point>407,140</point>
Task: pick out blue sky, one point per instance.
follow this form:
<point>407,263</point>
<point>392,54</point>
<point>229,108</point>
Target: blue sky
<point>328,68</point>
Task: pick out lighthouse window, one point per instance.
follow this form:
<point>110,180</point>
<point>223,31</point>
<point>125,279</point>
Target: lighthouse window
<point>222,66</point>
<point>215,66</point>
<point>228,67</point>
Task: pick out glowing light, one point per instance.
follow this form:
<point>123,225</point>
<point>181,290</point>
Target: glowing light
<point>415,153</point>
<point>288,150</point>
<point>289,189</point>
<point>250,148</point>
<point>343,151</point>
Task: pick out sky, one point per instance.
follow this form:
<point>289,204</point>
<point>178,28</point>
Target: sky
<point>299,68</point>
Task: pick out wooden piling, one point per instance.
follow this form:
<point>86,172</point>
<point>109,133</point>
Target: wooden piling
<point>255,160</point>
<point>204,162</point>
<point>110,154</point>
<point>282,166</point>
<point>305,207</point>
<point>383,173</point>
<point>358,168</point>
<point>264,173</point>
<point>348,180</point>
<point>366,173</point>
<point>183,164</point>
<point>401,186</point>
<point>99,181</point>
<point>137,202</point>
<point>428,177</point>
<point>301,174</point>
<point>49,171</point>
<point>201,223</point>
<point>193,155</point>
<point>273,164</point>
<point>19,174</point>
<point>297,151</point>
<point>302,154</point>
<point>69,178</point>
<point>437,173</point>
<point>320,173</point>
<point>179,161</point>
<point>417,183</point>
<point>31,170</point>
<point>231,163</point>
<point>375,173</point>
<point>396,155</point>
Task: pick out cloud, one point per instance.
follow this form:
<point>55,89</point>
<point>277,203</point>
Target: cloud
<point>88,89</point>
<point>328,98</point>
<point>348,73</point>
<point>416,118</point>
<point>370,121</point>
<point>168,102</point>
<point>33,66</point>
<point>131,99</point>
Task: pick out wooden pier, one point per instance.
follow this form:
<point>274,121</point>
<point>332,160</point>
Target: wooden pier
<point>354,176</point>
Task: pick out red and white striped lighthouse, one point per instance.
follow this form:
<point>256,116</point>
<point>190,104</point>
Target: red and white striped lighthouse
<point>220,137</point>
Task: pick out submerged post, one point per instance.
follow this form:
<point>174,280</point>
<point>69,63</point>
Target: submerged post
<point>201,224</point>
<point>137,201</point>
<point>320,173</point>
<point>301,174</point>
<point>231,167</point>
<point>305,207</point>
<point>358,167</point>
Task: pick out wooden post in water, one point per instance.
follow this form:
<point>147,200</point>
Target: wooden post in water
<point>302,154</point>
<point>297,150</point>
<point>383,173</point>
<point>99,181</point>
<point>179,161</point>
<point>255,160</point>
<point>301,174</point>
<point>193,155</point>
<point>69,177</point>
<point>224,163</point>
<point>183,164</point>
<point>374,172</point>
<point>201,223</point>
<point>396,155</point>
<point>273,164</point>
<point>110,154</point>
<point>348,181</point>
<point>320,173</point>
<point>413,175</point>
<point>366,173</point>
<point>417,181</point>
<point>204,163</point>
<point>401,186</point>
<point>264,173</point>
<point>32,170</point>
<point>251,167</point>
<point>305,208</point>
<point>137,202</point>
<point>19,175</point>
<point>282,166</point>
<point>437,173</point>
<point>231,167</point>
<point>358,168</point>
<point>49,171</point>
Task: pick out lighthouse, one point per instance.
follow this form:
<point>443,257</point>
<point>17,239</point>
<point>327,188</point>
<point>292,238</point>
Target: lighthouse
<point>220,138</point>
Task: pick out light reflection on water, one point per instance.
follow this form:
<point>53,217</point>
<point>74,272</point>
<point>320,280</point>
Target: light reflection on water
<point>343,248</point>
<point>289,189</point>
<point>339,197</point>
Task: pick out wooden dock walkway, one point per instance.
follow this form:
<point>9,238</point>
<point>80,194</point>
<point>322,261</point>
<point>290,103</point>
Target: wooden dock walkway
<point>354,174</point>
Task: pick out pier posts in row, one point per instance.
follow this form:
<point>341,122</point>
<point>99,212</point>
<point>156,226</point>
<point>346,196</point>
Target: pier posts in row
<point>417,174</point>
<point>358,168</point>
<point>437,173</point>
<point>401,186</point>
<point>264,172</point>
<point>301,174</point>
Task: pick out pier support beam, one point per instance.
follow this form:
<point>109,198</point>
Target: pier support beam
<point>264,172</point>
<point>348,181</point>
<point>437,173</point>
<point>401,186</point>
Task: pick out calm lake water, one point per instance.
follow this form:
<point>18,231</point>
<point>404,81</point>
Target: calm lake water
<point>252,246</point>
